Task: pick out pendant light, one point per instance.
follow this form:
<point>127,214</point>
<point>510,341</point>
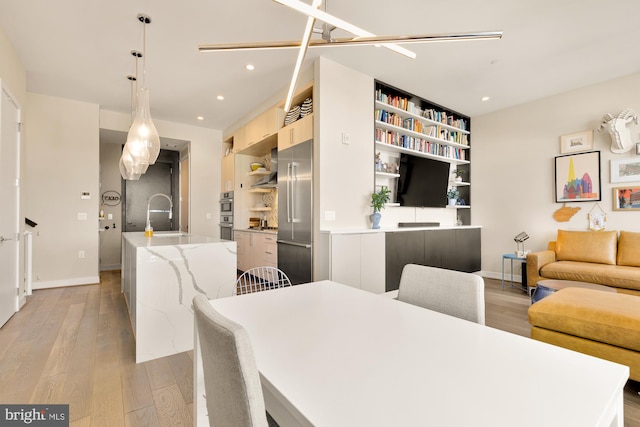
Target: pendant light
<point>127,165</point>
<point>143,143</point>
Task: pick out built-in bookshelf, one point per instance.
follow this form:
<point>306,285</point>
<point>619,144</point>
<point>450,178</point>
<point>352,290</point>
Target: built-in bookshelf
<point>408,124</point>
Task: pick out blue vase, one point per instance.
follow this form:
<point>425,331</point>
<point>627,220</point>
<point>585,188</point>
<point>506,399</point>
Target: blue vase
<point>375,219</point>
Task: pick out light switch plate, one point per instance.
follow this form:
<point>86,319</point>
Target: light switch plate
<point>82,216</point>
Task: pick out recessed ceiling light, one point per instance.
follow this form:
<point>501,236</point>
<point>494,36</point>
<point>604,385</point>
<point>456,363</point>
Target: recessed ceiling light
<point>220,97</point>
<point>250,67</point>
<point>485,98</point>
<point>200,118</point>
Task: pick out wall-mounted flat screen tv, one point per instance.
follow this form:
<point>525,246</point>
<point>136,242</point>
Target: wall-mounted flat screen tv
<point>423,182</point>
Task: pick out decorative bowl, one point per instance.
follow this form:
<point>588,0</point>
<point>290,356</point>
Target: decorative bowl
<point>256,165</point>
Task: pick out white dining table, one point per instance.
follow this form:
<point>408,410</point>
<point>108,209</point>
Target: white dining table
<point>330,355</point>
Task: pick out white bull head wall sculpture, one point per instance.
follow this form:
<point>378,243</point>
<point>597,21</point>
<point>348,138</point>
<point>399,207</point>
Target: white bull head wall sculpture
<point>618,130</point>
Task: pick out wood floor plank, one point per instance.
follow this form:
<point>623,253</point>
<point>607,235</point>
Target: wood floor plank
<point>182,368</point>
<point>145,417</point>
<point>136,392</point>
<point>172,410</point>
<point>84,422</point>
<point>49,389</point>
<point>159,373</point>
<point>64,346</point>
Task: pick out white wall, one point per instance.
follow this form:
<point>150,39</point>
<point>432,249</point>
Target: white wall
<point>61,162</point>
<point>204,162</point>
<point>512,171</point>
<point>110,180</point>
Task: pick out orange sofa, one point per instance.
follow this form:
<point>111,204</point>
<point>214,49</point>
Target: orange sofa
<point>604,257</point>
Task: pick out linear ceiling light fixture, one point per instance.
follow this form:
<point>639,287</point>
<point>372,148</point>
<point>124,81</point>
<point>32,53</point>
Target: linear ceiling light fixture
<point>337,22</point>
<point>308,31</point>
<point>143,142</point>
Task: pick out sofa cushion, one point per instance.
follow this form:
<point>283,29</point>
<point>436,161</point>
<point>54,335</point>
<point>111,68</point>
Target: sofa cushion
<point>587,246</point>
<point>629,249</point>
<point>599,316</point>
<point>618,276</point>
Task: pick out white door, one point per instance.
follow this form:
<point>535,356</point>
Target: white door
<point>9,205</point>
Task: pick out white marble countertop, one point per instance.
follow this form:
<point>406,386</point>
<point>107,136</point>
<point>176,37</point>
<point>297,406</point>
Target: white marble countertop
<point>396,229</point>
<point>168,238</point>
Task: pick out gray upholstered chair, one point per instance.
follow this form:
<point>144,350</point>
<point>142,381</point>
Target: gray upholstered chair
<point>231,379</point>
<point>446,291</point>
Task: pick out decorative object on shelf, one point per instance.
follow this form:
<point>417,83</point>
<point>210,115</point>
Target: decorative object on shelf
<point>597,219</point>
<point>452,196</point>
<point>565,213</point>
<point>292,115</point>
<point>577,177</point>
<point>256,165</point>
<point>625,170</point>
<point>576,142</point>
<point>458,174</point>
<point>626,198</point>
<point>618,129</point>
<point>306,108</point>
<point>143,142</point>
<point>520,239</point>
<point>378,200</point>
<point>379,167</point>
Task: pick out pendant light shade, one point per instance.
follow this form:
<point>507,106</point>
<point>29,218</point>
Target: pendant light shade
<point>143,142</point>
<point>143,137</point>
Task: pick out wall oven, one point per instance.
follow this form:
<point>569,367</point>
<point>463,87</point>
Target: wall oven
<point>226,215</point>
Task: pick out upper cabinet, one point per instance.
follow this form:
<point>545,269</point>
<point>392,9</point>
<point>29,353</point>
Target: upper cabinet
<point>239,140</point>
<point>297,132</point>
<point>264,126</point>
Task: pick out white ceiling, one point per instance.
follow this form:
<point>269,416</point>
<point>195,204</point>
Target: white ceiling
<point>79,49</point>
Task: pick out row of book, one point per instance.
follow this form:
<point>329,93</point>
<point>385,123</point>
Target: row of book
<point>415,125</point>
<point>419,144</point>
<point>429,113</point>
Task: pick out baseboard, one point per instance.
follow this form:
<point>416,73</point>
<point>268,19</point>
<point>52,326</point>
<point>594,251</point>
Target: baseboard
<point>77,281</point>
<point>517,278</point>
<point>110,267</point>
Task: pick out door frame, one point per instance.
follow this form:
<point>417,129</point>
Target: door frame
<point>20,298</point>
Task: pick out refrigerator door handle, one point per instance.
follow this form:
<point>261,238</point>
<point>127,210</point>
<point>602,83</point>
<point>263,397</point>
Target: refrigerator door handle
<point>294,187</point>
<point>301,245</point>
<point>288,192</point>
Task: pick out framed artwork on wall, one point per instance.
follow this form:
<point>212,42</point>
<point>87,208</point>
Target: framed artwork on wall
<point>625,170</point>
<point>575,142</point>
<point>577,177</point>
<point>626,198</point>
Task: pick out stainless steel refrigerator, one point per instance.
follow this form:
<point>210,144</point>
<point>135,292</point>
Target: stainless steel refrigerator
<point>295,211</point>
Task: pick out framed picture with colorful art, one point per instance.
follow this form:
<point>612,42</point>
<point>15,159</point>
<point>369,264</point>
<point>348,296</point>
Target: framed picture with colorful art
<point>626,198</point>
<point>578,177</point>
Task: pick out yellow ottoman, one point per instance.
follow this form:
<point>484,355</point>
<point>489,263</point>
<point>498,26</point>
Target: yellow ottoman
<point>601,324</point>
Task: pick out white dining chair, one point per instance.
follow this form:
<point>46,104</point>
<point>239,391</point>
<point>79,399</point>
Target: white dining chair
<point>450,292</point>
<point>231,379</point>
<point>259,279</point>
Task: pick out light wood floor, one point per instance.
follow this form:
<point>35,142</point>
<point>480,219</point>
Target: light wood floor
<point>75,345</point>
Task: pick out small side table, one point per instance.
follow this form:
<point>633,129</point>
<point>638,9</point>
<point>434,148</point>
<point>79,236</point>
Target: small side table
<point>510,257</point>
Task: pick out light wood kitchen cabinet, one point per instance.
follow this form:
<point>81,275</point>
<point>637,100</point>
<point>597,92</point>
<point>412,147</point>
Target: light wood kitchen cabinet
<point>264,126</point>
<point>240,139</point>
<point>226,173</point>
<point>243,249</point>
<point>256,249</point>
<point>299,131</point>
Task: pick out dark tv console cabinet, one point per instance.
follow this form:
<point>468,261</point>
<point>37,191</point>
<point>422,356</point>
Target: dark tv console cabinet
<point>453,249</point>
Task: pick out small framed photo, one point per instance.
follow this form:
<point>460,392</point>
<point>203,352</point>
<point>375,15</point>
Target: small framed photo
<point>576,142</point>
<point>578,177</point>
<point>626,198</point>
<point>625,170</point>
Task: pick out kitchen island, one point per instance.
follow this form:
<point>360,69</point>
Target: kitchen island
<point>160,277</point>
